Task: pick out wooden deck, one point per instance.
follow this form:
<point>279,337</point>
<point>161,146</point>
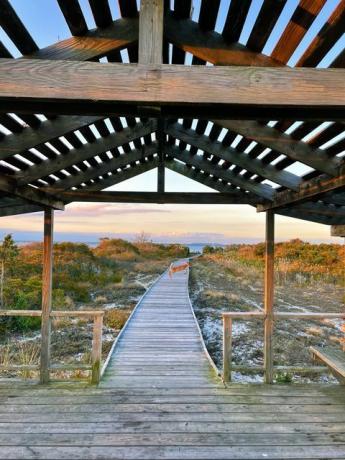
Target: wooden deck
<point>159,399</point>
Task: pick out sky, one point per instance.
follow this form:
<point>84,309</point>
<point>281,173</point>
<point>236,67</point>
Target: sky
<point>184,223</point>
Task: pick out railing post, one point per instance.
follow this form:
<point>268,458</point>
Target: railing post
<point>97,349</point>
<point>269,297</point>
<point>46,294</point>
<point>227,348</point>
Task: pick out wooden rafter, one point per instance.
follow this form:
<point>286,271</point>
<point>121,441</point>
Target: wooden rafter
<point>211,46</point>
<point>202,178</point>
<point>309,190</point>
<point>263,191</point>
<point>127,173</point>
<point>85,152</point>
<point>116,89</point>
<point>106,167</point>
<point>94,44</point>
<point>229,154</point>
<point>284,144</point>
<point>50,129</point>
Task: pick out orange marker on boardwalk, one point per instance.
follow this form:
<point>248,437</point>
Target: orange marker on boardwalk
<point>177,268</point>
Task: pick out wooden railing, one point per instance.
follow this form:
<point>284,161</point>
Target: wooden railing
<point>268,368</point>
<point>96,355</point>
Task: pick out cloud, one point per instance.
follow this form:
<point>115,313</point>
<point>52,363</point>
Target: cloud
<point>106,209</point>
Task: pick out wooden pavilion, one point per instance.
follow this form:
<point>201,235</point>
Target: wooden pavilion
<point>165,87</point>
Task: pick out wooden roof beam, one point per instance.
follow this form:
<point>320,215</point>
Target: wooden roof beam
<point>311,216</point>
<point>85,152</point>
<point>29,194</point>
<point>240,92</point>
<point>262,190</point>
<point>284,144</point>
<point>230,155</point>
<point>211,46</point>
<point>16,209</point>
<point>309,190</point>
<point>94,44</point>
<point>156,197</point>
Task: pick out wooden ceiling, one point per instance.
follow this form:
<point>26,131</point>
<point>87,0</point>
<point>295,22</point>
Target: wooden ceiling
<point>70,137</point>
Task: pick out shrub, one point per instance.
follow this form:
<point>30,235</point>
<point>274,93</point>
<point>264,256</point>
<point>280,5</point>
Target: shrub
<point>283,377</point>
<point>116,319</point>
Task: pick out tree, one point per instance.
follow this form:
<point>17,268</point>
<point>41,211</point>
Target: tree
<point>8,252</point>
<point>142,238</point>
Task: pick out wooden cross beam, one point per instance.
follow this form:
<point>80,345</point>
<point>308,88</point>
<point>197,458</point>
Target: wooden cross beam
<point>38,86</point>
<point>29,194</point>
<point>157,197</point>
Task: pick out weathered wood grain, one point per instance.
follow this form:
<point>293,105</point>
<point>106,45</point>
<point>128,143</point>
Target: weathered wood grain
<point>211,46</point>
<point>269,296</point>
<point>117,89</point>
<point>334,359</point>
<point>151,31</point>
<point>47,282</point>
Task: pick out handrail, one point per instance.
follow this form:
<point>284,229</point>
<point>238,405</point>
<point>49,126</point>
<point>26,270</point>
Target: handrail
<point>228,317</point>
<point>96,354</point>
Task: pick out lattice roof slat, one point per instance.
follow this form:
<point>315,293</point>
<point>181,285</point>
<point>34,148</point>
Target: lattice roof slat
<point>50,154</point>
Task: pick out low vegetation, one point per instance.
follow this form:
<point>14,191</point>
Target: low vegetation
<point>111,276</point>
<point>309,277</point>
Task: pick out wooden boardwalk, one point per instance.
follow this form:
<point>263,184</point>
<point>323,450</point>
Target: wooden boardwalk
<point>160,400</point>
<point>161,345</point>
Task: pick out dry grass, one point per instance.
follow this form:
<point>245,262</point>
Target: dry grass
<point>20,353</point>
<point>116,319</point>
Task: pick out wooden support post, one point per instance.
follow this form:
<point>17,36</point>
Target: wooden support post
<point>161,149</point>
<point>269,297</point>
<point>338,230</point>
<point>97,349</point>
<point>151,31</point>
<point>46,294</point>
<point>151,23</point>
<point>227,348</point>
